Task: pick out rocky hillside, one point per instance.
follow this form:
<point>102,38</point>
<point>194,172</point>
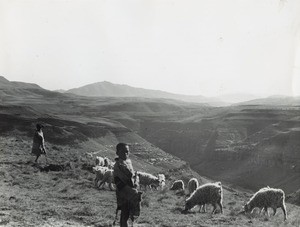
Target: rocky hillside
<point>225,144</point>
<point>248,146</point>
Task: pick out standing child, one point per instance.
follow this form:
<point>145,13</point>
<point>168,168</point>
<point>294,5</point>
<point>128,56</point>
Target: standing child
<point>123,177</point>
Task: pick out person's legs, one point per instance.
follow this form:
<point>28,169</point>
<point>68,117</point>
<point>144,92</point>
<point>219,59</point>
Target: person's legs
<point>124,215</point>
<point>37,157</point>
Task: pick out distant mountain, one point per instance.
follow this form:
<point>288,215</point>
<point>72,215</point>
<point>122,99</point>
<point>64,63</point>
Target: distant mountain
<point>275,100</point>
<point>60,91</point>
<point>11,90</point>
<point>107,89</point>
<point>237,97</point>
<point>4,83</point>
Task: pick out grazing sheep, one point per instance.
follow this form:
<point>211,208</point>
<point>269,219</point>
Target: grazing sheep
<point>192,185</point>
<point>99,171</point>
<point>108,163</point>
<point>162,180</point>
<point>99,161</point>
<point>147,179</point>
<point>211,193</point>
<point>108,178</point>
<point>136,180</point>
<point>177,185</point>
<point>267,197</point>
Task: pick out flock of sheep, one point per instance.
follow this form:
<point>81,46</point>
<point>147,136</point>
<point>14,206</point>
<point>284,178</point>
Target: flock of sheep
<point>104,174</point>
<point>210,193</point>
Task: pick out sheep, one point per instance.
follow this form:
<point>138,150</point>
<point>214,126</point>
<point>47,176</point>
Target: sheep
<point>193,184</point>
<point>100,171</point>
<point>267,197</point>
<point>208,193</point>
<point>136,180</point>
<point>177,185</point>
<point>147,179</point>
<point>162,180</point>
<point>108,178</point>
<point>99,161</point>
<point>108,163</point>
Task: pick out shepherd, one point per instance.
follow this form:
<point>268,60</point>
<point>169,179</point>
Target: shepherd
<point>128,197</point>
<point>38,145</point>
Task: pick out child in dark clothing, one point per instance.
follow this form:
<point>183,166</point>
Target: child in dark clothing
<point>128,198</point>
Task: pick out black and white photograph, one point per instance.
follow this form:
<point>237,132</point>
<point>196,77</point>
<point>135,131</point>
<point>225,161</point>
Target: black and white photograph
<point>149,113</point>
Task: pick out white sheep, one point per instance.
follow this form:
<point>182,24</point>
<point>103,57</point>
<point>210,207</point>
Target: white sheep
<point>99,161</point>
<point>177,185</point>
<point>193,184</point>
<point>210,193</point>
<point>267,197</point>
<point>108,177</point>
<point>108,163</point>
<point>99,171</point>
<point>162,180</point>
<point>147,179</point>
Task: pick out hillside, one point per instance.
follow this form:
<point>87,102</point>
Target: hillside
<point>242,146</point>
<point>69,198</point>
<point>240,140</point>
<point>247,146</point>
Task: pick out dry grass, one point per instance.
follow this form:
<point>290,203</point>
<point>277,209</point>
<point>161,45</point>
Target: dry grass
<point>32,198</point>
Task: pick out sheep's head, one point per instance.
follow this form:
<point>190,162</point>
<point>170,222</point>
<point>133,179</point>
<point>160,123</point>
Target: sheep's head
<point>188,205</point>
<point>162,180</point>
<point>136,179</point>
<point>247,207</point>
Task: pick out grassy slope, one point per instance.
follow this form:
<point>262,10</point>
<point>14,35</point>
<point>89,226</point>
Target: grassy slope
<point>33,198</point>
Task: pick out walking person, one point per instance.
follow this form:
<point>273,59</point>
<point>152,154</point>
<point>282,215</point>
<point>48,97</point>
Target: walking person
<point>38,145</point>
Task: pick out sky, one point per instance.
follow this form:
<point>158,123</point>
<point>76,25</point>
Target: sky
<point>193,47</point>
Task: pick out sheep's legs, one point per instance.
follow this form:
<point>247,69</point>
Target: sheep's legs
<point>215,208</point>
<point>221,207</point>
<point>274,211</point>
<point>101,184</point>
<point>261,210</point>
<point>284,211</point>
<point>266,211</point>
<point>203,208</point>
<point>96,182</point>
<point>200,208</point>
<point>111,187</point>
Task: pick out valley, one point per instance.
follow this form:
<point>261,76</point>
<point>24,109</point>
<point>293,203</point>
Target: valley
<point>246,147</point>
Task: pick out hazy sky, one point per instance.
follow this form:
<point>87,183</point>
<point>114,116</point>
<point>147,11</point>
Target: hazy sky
<point>198,47</point>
